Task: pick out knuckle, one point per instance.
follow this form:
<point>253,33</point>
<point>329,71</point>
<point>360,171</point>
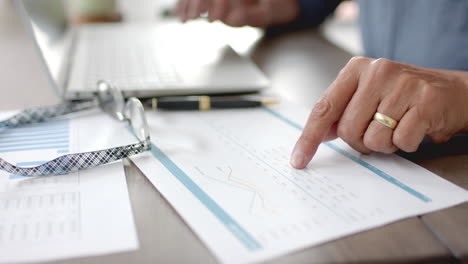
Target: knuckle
<point>428,93</point>
<point>402,141</point>
<point>350,67</point>
<point>354,62</point>
<point>382,66</point>
<point>382,62</point>
<point>322,108</point>
<point>357,60</point>
<point>406,82</point>
<point>406,76</point>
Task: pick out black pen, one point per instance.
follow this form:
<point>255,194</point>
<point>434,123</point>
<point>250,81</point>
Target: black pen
<point>205,103</point>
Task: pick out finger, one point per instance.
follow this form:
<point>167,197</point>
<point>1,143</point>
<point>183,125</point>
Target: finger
<point>374,85</point>
<point>259,16</point>
<point>178,9</point>
<point>194,9</point>
<point>410,131</point>
<point>357,116</point>
<point>183,10</point>
<point>203,6</point>
<point>327,112</point>
<point>217,10</point>
<point>379,137</point>
<point>332,133</point>
<point>247,12</point>
<point>237,17</point>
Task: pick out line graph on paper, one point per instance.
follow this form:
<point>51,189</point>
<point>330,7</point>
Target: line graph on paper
<point>258,202</point>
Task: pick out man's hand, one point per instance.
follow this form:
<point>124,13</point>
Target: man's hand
<point>258,13</point>
<point>425,102</point>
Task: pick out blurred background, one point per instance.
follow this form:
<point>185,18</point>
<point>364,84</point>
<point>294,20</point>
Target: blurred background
<point>341,29</point>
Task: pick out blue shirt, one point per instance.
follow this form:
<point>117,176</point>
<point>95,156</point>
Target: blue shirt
<point>427,33</point>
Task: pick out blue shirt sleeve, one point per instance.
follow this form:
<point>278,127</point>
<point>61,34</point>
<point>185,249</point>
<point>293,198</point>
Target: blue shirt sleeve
<point>312,14</point>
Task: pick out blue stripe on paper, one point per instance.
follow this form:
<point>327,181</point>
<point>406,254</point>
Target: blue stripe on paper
<point>361,162</point>
<point>34,148</point>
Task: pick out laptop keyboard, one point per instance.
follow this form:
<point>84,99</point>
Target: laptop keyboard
<point>129,58</point>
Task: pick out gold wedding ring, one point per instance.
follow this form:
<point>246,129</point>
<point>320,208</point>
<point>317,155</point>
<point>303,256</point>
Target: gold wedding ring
<point>385,120</point>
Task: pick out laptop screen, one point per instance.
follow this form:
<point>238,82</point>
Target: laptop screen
<point>48,21</point>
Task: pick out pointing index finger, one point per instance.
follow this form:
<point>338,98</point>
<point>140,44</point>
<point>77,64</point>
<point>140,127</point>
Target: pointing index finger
<point>327,112</point>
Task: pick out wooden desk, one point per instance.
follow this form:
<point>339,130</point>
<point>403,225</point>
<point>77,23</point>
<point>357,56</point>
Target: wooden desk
<point>300,65</point>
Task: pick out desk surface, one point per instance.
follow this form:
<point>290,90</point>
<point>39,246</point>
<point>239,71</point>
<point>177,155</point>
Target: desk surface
<point>300,65</point>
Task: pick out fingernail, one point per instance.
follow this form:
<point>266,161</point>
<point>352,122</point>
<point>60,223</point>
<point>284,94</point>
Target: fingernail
<point>298,159</point>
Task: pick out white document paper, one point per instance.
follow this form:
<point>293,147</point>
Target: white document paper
<point>227,173</point>
<point>81,214</point>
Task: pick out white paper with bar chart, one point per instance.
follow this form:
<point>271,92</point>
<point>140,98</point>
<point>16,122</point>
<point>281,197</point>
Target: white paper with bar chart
<point>84,213</point>
<point>227,173</point>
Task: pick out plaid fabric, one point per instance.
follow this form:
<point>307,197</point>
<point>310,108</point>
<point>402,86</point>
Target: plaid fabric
<point>73,162</point>
<point>42,114</point>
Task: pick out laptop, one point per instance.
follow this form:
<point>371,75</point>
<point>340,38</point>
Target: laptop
<point>143,60</point>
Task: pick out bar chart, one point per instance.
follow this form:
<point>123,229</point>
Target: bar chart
<point>53,137</point>
<point>50,135</point>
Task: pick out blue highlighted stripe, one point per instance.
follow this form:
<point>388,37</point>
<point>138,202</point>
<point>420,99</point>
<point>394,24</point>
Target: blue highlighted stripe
<point>15,177</point>
<point>35,134</point>
<point>61,137</point>
<point>63,151</point>
<point>25,164</point>
<point>361,162</point>
<point>238,231</point>
<point>33,144</point>
<point>34,148</point>
<point>33,130</point>
<point>30,163</point>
